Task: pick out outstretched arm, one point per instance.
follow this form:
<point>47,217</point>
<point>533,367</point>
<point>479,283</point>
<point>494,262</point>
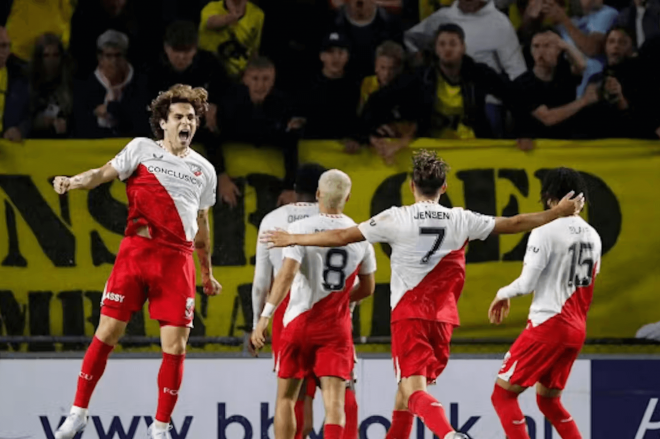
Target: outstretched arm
<point>203,249</point>
<point>328,238</point>
<point>87,180</point>
<point>528,221</point>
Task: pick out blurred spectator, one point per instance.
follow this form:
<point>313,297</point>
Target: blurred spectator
<point>546,97</point>
<point>445,100</point>
<point>292,35</point>
<point>628,104</point>
<point>29,19</point>
<point>182,10</point>
<point>91,19</point>
<point>644,17</point>
<point>254,112</point>
<point>587,32</point>
<point>112,102</point>
<point>181,62</point>
<point>51,90</point>
<point>366,26</point>
<point>329,106</point>
<point>389,65</point>
<point>14,94</point>
<point>489,39</point>
<point>232,29</point>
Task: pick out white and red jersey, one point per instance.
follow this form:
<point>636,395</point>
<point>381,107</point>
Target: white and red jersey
<point>269,260</point>
<point>428,256</point>
<point>560,265</point>
<point>320,292</point>
<point>165,192</point>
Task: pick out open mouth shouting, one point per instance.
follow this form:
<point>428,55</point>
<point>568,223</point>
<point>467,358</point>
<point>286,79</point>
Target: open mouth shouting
<point>184,135</point>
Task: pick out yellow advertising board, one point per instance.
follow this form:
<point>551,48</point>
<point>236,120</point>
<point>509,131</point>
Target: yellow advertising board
<point>57,252</point>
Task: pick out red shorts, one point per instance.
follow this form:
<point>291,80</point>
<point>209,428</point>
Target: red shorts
<point>531,361</point>
<point>146,270</point>
<point>420,347</point>
<point>310,386</point>
<point>303,354</point>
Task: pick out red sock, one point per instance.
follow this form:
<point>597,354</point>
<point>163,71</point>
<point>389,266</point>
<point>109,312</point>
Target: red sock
<point>351,410</point>
<point>511,417</point>
<point>332,431</point>
<point>92,369</point>
<point>300,418</point>
<point>169,382</point>
<point>430,411</point>
<point>563,422</point>
<point>402,422</point>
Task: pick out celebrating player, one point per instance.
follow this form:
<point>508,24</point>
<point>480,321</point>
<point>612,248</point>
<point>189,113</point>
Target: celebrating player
<point>316,337</point>
<point>268,263</point>
<point>560,266</point>
<point>170,189</point>
<point>428,272</point>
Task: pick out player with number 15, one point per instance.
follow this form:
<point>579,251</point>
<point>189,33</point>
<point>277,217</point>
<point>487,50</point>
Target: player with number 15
<point>428,272</point>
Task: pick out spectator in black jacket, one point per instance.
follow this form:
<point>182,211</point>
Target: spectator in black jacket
<point>642,16</point>
<point>367,26</point>
<point>445,100</point>
<point>14,99</point>
<point>329,105</point>
<point>254,112</point>
<point>112,102</point>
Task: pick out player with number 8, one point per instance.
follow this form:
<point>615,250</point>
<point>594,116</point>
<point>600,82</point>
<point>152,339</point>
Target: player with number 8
<point>428,271</point>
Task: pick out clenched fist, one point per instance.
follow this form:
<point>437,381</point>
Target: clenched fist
<point>61,184</point>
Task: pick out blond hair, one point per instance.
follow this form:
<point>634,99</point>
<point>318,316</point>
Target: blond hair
<point>334,188</point>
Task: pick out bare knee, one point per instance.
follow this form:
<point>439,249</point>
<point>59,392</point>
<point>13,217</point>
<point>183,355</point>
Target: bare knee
<point>173,339</point>
<point>110,330</point>
<point>334,412</point>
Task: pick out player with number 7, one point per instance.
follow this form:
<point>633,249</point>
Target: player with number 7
<point>428,273</point>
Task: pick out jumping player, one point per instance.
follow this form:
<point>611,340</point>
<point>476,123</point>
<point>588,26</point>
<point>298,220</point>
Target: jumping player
<point>428,272</point>
<point>560,266</point>
<point>268,263</point>
<point>170,189</point>
<point>316,337</point>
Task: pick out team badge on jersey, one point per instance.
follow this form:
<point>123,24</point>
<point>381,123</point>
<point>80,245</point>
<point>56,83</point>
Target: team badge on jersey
<point>195,169</point>
<point>190,307</point>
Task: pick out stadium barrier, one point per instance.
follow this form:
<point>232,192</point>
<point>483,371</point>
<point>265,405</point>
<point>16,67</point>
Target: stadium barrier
<point>234,399</point>
<point>57,252</point>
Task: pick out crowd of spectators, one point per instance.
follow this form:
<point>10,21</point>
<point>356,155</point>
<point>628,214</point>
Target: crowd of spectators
<point>369,73</point>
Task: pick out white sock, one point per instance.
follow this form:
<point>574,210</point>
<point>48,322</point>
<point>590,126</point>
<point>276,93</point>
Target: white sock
<point>78,411</point>
<point>162,426</point>
<point>450,435</point>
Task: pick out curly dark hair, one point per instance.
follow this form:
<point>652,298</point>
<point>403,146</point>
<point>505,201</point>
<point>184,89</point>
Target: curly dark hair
<point>560,181</point>
<point>179,93</point>
<point>429,172</point>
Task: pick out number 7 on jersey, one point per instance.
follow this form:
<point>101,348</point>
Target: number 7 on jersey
<point>439,232</point>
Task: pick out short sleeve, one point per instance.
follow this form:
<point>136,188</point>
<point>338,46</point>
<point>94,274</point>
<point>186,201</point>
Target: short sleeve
<point>127,160</point>
<point>368,265</point>
<point>603,20</point>
<point>538,251</point>
<point>478,226</point>
<point>295,252</point>
<point>209,192</point>
<point>380,228</point>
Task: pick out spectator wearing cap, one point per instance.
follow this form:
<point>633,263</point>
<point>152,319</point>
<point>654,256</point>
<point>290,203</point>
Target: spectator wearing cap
<point>13,93</point>
<point>256,112</point>
<point>366,26</point>
<point>182,62</point>
<point>329,105</point>
<point>232,29</point>
<point>489,38</point>
<point>546,103</point>
<point>644,17</point>
<point>388,66</point>
<point>112,101</point>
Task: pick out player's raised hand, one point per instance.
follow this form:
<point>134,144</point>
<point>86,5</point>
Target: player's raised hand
<point>211,286</point>
<point>276,238</point>
<point>570,205</point>
<point>61,184</point>
<point>258,337</point>
<point>498,310</point>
